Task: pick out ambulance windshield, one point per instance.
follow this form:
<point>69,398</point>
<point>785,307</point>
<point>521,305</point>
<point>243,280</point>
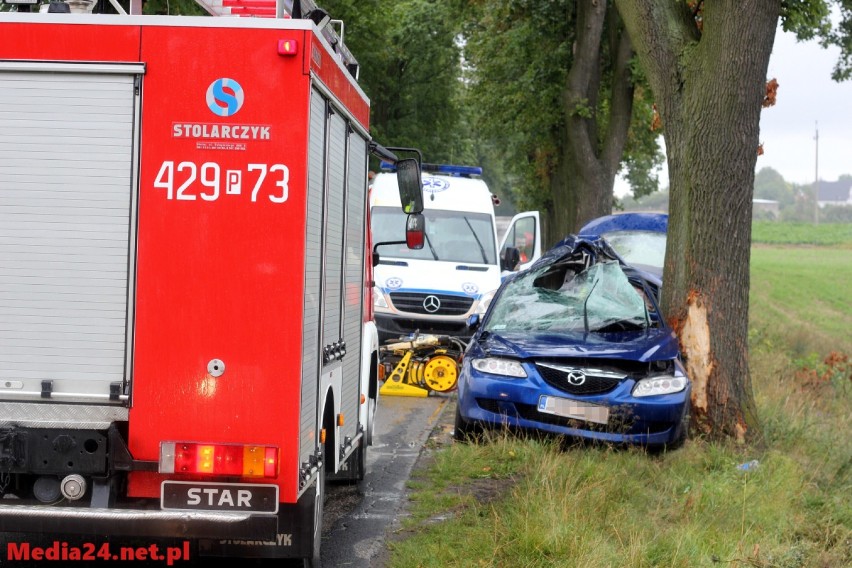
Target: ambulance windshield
<point>451,236</point>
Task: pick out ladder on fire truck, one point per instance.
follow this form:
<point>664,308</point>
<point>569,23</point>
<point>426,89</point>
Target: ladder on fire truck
<point>292,9</point>
<point>289,9</point>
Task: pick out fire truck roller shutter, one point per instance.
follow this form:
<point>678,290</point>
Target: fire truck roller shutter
<point>353,297</point>
<point>333,253</point>
<point>313,272</point>
<point>67,209</point>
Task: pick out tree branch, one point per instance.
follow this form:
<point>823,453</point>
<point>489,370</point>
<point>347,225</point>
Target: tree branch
<point>621,107</point>
<point>590,20</point>
<point>666,29</point>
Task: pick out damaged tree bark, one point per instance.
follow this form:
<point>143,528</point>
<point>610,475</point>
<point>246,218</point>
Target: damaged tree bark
<point>707,63</point>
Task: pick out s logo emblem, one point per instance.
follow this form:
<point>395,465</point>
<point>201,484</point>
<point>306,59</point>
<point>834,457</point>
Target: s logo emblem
<point>225,97</point>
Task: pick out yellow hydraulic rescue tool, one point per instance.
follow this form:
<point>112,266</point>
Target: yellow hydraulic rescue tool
<point>425,363</point>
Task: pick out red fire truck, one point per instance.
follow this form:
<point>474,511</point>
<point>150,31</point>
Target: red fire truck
<point>186,338</point>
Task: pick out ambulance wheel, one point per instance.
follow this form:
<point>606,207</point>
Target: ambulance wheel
<point>314,561</point>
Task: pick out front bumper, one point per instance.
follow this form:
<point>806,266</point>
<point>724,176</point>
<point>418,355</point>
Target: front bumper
<point>647,421</point>
<point>394,326</point>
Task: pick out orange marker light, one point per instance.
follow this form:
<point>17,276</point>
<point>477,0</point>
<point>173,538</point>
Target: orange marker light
<point>288,47</point>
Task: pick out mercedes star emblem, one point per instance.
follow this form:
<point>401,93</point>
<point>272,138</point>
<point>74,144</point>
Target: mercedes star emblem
<point>431,304</point>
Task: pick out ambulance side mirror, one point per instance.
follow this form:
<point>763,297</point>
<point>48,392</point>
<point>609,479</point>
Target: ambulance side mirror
<point>510,257</point>
<point>415,231</point>
<point>410,186</point>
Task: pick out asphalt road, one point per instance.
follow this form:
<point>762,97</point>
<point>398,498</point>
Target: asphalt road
<point>357,517</point>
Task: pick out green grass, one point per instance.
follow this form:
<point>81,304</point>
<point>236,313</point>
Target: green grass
<point>825,234</point>
<point>804,296</point>
<point>533,503</point>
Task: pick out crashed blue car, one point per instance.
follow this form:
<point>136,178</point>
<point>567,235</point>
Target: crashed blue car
<point>575,346</point>
<point>639,238</point>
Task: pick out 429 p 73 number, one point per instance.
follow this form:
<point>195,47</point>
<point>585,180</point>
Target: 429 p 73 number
<point>187,181</point>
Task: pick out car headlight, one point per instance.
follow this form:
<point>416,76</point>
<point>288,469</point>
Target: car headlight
<point>496,366</point>
<point>484,302</point>
<point>379,300</point>
<point>661,384</point>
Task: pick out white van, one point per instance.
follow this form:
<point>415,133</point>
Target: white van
<point>435,289</point>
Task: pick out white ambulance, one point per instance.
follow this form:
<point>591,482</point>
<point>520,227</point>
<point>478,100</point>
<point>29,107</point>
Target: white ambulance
<point>435,289</point>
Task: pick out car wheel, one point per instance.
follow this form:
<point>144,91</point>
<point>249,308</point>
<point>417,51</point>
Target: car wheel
<point>684,432</point>
<point>678,442</point>
<point>465,430</point>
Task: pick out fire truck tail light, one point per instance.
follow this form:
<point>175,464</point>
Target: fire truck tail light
<point>235,460</point>
<point>288,47</point>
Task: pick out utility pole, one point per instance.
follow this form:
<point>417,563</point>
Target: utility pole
<point>816,177</point>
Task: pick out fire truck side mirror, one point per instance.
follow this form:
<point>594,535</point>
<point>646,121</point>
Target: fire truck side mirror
<point>415,231</point>
<point>410,186</point>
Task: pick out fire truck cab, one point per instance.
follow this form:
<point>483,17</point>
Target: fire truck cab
<point>187,345</point>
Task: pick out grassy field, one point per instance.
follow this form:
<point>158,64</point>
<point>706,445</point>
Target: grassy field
<point>530,503</point>
<point>826,234</point>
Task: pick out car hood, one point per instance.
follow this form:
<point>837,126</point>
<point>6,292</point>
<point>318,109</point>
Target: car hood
<point>648,345</point>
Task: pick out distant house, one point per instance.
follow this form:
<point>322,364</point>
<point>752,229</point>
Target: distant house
<point>766,208</point>
<point>835,192</point>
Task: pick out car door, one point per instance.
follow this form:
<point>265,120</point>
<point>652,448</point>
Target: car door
<point>524,234</point>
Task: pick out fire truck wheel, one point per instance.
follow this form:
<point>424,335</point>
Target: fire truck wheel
<point>371,421</point>
<point>359,462</point>
<point>314,561</point>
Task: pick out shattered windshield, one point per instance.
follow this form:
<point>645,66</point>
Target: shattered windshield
<point>639,248</point>
<point>453,236</point>
<point>558,298</point>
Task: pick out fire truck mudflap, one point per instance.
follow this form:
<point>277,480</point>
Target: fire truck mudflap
<point>186,340</point>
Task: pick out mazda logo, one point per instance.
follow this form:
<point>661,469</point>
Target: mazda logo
<point>431,304</point>
<point>576,378</point>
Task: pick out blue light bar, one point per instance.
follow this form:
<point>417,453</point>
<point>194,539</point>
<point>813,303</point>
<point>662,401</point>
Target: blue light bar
<point>452,170</point>
<point>446,169</point>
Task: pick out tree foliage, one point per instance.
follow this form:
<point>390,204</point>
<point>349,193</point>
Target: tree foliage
<point>810,19</point>
<point>411,70</point>
<point>170,7</point>
<point>536,112</point>
<point>769,184</point>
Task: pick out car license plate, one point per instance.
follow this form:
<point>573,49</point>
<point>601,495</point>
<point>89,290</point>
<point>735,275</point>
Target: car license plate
<point>573,409</point>
<point>201,496</point>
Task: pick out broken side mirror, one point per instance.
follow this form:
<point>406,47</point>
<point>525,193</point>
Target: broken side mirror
<point>473,322</point>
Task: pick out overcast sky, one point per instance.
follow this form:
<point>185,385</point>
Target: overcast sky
<point>807,99</point>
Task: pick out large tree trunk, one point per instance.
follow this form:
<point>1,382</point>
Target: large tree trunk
<point>709,85</point>
<point>582,185</point>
